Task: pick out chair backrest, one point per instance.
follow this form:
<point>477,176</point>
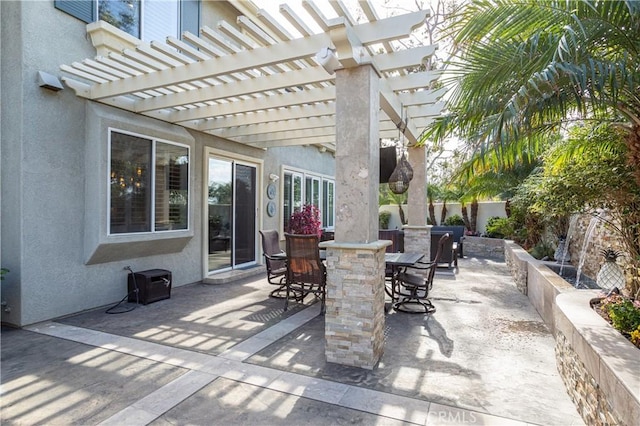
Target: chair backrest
<point>327,235</point>
<point>303,257</point>
<point>270,241</point>
<point>397,239</point>
<point>446,252</point>
<point>271,246</point>
<point>444,242</point>
<point>457,232</point>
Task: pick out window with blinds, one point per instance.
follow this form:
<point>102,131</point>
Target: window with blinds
<point>149,184</point>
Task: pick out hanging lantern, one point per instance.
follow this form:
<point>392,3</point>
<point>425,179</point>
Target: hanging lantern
<point>407,166</point>
<point>401,176</point>
<point>403,173</point>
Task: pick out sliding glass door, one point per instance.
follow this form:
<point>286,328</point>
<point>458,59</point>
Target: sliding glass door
<point>232,212</point>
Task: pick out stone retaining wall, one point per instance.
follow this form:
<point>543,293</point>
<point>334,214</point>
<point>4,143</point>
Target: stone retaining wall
<point>581,386</point>
<point>517,259</point>
<point>598,365</point>
<point>484,247</point>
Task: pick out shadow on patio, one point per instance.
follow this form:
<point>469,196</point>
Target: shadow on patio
<point>216,354</point>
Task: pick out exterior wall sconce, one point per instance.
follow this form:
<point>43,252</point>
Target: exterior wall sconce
<point>49,81</point>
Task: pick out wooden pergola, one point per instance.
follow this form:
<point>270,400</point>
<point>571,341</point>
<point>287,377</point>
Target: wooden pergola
<point>342,89</point>
<point>255,83</point>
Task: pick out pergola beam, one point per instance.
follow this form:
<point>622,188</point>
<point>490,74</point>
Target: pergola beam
<point>248,86</point>
<point>249,105</point>
<point>261,87</point>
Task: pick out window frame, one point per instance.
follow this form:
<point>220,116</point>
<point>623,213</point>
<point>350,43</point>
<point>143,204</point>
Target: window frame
<point>332,184</point>
<point>152,185</point>
<point>314,177</point>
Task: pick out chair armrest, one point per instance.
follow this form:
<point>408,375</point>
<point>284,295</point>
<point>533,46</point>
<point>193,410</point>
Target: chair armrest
<point>411,279</point>
<point>421,266</point>
<point>279,256</point>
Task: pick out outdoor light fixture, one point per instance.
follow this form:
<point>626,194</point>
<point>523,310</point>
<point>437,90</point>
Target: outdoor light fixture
<point>49,81</point>
<point>400,178</point>
<point>403,173</point>
<point>328,59</point>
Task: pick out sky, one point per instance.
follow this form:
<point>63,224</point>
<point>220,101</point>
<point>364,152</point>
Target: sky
<point>384,8</point>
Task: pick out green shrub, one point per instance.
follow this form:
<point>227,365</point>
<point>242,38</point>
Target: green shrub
<point>383,220</point>
<point>454,220</point>
<point>499,227</point>
<point>542,250</point>
<point>624,315</point>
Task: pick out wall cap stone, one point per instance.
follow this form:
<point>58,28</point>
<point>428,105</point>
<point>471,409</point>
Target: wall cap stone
<point>372,246</point>
<point>603,351</point>
<point>417,227</point>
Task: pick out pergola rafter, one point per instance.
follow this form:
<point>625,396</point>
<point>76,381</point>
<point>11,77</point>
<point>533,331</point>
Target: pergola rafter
<point>257,84</point>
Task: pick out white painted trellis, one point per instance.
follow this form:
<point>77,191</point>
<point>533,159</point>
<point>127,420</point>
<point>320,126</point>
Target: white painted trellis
<point>255,83</point>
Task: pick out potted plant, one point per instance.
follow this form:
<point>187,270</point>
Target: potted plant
<point>306,221</point>
<point>383,220</point>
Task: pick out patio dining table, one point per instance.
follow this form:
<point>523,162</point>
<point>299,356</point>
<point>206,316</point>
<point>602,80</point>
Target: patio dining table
<point>396,261</point>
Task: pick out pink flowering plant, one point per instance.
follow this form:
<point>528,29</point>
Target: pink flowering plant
<point>306,221</point>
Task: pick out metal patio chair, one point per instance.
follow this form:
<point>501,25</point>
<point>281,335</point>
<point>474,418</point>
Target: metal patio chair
<point>413,289</point>
<point>396,237</point>
<point>276,267</point>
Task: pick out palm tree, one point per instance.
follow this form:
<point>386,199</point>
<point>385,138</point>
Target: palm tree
<point>386,196</point>
<point>524,67</point>
<point>446,194</point>
<point>486,176</point>
<point>432,194</point>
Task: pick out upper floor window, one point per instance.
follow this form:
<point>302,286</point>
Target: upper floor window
<point>144,19</point>
<point>122,14</point>
<point>149,184</point>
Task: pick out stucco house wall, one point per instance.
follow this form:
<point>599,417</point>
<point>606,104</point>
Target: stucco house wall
<point>54,157</point>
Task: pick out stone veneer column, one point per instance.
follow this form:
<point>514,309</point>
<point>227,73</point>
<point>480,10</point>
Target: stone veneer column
<point>417,234</point>
<point>418,239</point>
<point>417,200</point>
<point>354,319</point>
<point>357,154</point>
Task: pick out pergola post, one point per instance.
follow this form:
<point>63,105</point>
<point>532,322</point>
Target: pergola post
<point>354,319</point>
<point>417,234</point>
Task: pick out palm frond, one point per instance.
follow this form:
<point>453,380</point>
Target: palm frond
<point>527,66</point>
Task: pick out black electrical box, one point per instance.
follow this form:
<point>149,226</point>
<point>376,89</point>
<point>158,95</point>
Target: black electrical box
<point>152,285</point>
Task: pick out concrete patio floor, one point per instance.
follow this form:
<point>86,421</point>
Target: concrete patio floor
<point>227,354</point>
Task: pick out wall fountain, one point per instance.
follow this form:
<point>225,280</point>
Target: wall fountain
<point>597,364</point>
<point>563,267</point>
